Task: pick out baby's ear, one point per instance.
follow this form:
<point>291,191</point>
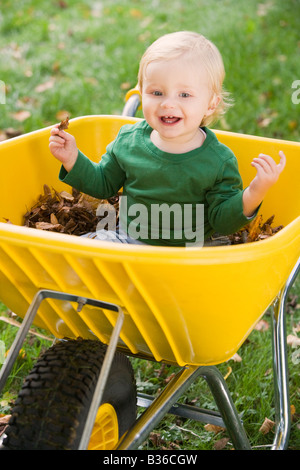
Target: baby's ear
<point>214,103</point>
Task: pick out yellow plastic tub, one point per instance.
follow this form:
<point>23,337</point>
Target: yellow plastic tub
<point>189,306</point>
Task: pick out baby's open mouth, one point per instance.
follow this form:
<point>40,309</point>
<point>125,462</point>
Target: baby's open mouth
<point>170,119</point>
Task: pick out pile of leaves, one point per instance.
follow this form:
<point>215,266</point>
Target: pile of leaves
<point>255,231</point>
<point>73,214</point>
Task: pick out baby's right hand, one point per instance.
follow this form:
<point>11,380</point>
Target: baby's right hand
<point>63,146</point>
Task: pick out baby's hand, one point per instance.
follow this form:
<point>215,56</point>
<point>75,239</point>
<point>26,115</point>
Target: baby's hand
<point>267,172</point>
<point>63,146</point>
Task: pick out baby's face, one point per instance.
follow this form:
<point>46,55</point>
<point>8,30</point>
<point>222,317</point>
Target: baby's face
<point>176,96</point>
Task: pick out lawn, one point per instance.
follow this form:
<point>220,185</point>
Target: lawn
<point>82,57</point>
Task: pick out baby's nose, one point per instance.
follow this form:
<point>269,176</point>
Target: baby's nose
<point>168,103</point>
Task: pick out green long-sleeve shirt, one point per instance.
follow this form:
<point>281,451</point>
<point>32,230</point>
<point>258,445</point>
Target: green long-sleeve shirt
<point>206,177</point>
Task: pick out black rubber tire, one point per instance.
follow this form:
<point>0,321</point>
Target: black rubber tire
<point>52,406</point>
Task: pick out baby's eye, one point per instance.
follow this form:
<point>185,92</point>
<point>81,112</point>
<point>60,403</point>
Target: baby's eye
<point>184,95</point>
<point>157,93</point>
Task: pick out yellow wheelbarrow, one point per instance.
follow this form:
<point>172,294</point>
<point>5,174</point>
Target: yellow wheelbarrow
<point>104,302</point>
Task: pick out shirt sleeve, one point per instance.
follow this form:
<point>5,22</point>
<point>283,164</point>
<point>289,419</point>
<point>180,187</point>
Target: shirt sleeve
<point>100,180</point>
<point>225,200</point>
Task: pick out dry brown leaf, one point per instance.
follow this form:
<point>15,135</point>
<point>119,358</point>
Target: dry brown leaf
<point>44,86</point>
<point>236,358</point>
<point>64,124</point>
<point>221,443</point>
<point>255,231</point>
<point>293,125</point>
<point>296,329</point>
<point>135,13</point>
<point>267,426</point>
<point>4,419</point>
<point>262,325</point>
<point>62,212</point>
<point>125,85</point>
<point>62,114</point>
<point>254,228</point>
<point>155,438</point>
<point>67,196</point>
<point>213,428</point>
<point>21,115</point>
<point>170,377</point>
<point>53,219</point>
<point>293,341</point>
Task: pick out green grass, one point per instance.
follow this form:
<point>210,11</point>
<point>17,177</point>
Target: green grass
<point>32,347</point>
<point>91,53</point>
<point>82,56</point>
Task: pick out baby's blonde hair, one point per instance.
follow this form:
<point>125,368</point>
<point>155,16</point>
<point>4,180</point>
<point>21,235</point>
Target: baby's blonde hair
<point>174,45</point>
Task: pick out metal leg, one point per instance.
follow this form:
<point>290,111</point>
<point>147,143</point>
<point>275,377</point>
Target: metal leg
<point>101,382</point>
<point>29,318</point>
<point>192,412</point>
<point>281,381</point>
<point>226,407</point>
<point>158,409</point>
<point>19,339</point>
<point>164,402</point>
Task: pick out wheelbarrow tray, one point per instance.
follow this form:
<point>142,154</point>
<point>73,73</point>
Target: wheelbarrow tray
<point>188,306</point>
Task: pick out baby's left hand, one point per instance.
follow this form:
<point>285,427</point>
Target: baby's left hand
<point>267,174</point>
<point>267,171</point>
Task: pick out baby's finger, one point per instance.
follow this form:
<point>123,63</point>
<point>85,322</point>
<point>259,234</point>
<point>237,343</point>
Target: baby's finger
<point>267,159</point>
<point>55,130</point>
<point>57,139</point>
<point>265,162</point>
<point>282,162</point>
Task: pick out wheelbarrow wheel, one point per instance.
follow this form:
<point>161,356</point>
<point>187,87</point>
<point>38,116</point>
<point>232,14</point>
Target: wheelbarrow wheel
<point>52,406</point>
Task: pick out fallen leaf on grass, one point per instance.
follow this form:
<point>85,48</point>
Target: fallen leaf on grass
<point>158,441</point>
<point>21,115</point>
<point>267,426</point>
<point>221,443</point>
<point>125,85</point>
<point>135,13</point>
<point>9,133</point>
<point>44,86</point>
<point>297,328</point>
<point>293,341</point>
<point>4,420</point>
<point>236,358</point>
<point>170,377</point>
<point>262,325</point>
<point>213,428</point>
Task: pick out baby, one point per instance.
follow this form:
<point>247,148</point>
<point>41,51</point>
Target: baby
<point>171,159</point>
